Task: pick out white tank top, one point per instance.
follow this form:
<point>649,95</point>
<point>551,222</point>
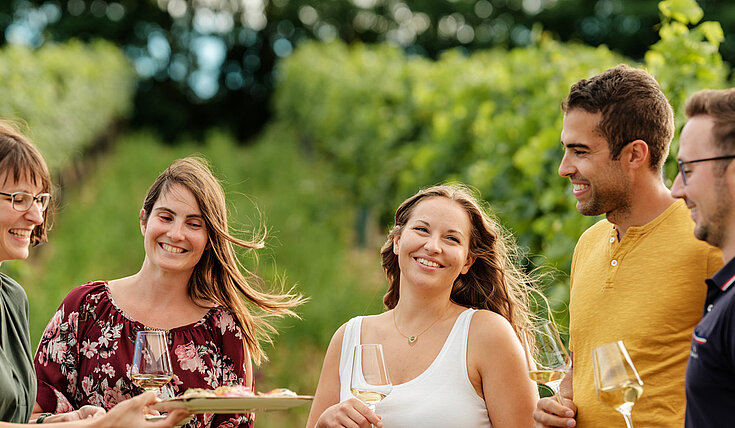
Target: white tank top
<point>441,396</point>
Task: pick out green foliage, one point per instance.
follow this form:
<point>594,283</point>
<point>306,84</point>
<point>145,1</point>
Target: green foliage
<point>685,59</point>
<point>393,123</point>
<point>69,94</point>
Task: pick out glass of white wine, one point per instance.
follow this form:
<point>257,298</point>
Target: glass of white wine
<point>151,361</point>
<point>616,380</point>
<point>370,382</point>
<point>547,357</point>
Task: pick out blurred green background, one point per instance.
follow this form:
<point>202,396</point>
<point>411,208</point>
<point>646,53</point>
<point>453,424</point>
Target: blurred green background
<point>320,117</point>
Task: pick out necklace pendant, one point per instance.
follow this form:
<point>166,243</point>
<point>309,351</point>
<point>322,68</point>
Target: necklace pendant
<point>412,340</point>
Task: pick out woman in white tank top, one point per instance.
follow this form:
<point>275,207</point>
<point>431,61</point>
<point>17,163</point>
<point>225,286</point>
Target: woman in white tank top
<point>456,302</point>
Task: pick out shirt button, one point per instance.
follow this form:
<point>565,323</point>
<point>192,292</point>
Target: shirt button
<point>709,308</point>
<point>612,239</point>
<point>614,262</point>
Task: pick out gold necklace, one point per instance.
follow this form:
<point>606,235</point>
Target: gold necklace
<point>412,339</point>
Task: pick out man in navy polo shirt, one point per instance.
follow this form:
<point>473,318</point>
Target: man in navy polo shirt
<point>706,181</point>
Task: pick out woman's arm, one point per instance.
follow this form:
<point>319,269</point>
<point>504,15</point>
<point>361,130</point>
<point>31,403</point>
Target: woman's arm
<point>80,414</point>
<point>326,410</point>
<point>495,357</point>
<point>127,414</point>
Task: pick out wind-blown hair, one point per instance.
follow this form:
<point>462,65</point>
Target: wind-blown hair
<point>219,277</point>
<point>20,159</point>
<point>494,281</point>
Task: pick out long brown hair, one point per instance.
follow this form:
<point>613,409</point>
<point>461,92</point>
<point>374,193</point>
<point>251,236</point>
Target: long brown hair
<point>20,159</point>
<point>219,277</point>
<point>494,281</point>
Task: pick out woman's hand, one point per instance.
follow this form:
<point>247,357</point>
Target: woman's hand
<point>80,414</point>
<point>350,413</point>
<point>130,413</point>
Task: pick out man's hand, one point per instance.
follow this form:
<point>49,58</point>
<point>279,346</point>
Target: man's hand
<point>549,413</point>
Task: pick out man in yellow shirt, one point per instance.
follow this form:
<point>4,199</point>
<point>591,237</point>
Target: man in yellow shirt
<point>635,275</point>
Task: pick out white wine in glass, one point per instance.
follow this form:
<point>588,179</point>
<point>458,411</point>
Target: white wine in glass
<point>151,361</point>
<point>616,380</point>
<point>547,358</point>
<point>370,382</point>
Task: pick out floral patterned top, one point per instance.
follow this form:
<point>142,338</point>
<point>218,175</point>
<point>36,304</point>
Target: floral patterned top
<point>86,353</point>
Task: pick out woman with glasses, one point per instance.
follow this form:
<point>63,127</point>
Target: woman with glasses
<point>190,285</point>
<point>25,186</point>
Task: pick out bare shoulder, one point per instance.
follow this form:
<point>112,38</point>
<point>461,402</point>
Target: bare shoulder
<point>337,337</point>
<point>490,329</point>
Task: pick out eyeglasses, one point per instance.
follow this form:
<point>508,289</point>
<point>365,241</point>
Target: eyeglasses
<point>682,163</point>
<point>22,201</point>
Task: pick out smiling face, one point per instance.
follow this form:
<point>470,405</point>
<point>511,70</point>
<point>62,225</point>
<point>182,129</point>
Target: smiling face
<point>15,226</point>
<point>706,192</point>
<point>434,246</point>
<point>175,234</point>
<point>598,181</point>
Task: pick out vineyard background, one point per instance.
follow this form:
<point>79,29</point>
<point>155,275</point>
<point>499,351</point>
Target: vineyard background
<point>353,127</point>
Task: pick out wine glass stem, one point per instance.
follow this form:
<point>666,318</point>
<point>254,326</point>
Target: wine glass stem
<point>557,395</point>
<point>628,420</point>
<point>372,408</point>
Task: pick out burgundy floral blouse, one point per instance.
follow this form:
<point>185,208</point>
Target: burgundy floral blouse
<point>86,353</point>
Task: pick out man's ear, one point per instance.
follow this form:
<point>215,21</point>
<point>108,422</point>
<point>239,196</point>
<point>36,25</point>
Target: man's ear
<point>636,154</point>
<point>730,179</point>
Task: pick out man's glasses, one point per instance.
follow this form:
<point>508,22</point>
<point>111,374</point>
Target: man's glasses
<point>682,163</point>
<point>22,201</point>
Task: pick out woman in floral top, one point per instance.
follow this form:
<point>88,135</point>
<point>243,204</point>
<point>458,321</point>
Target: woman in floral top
<point>190,285</point>
<point>25,206</point>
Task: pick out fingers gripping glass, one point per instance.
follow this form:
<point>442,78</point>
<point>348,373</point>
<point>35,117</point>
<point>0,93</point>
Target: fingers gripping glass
<point>683,163</point>
<point>22,201</point>
<point>547,358</point>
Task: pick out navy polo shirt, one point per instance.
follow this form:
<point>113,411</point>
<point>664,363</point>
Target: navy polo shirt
<point>710,374</point>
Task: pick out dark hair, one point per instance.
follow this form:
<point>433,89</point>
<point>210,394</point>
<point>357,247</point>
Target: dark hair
<point>494,281</point>
<point>218,276</point>
<point>20,159</point>
<point>633,108</point>
<point>720,105</point>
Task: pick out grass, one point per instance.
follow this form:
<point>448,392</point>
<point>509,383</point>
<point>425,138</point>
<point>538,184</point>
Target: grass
<point>269,184</point>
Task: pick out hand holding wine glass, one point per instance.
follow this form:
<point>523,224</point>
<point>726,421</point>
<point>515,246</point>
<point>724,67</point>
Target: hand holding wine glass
<point>370,382</point>
<point>547,358</point>
<point>151,361</point>
<point>616,380</point>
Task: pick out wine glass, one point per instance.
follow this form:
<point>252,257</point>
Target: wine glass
<point>151,361</point>
<point>547,358</point>
<point>616,379</point>
<point>370,382</point>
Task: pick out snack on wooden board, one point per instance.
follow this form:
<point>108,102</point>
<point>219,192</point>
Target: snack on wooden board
<point>236,391</point>
<point>278,392</point>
